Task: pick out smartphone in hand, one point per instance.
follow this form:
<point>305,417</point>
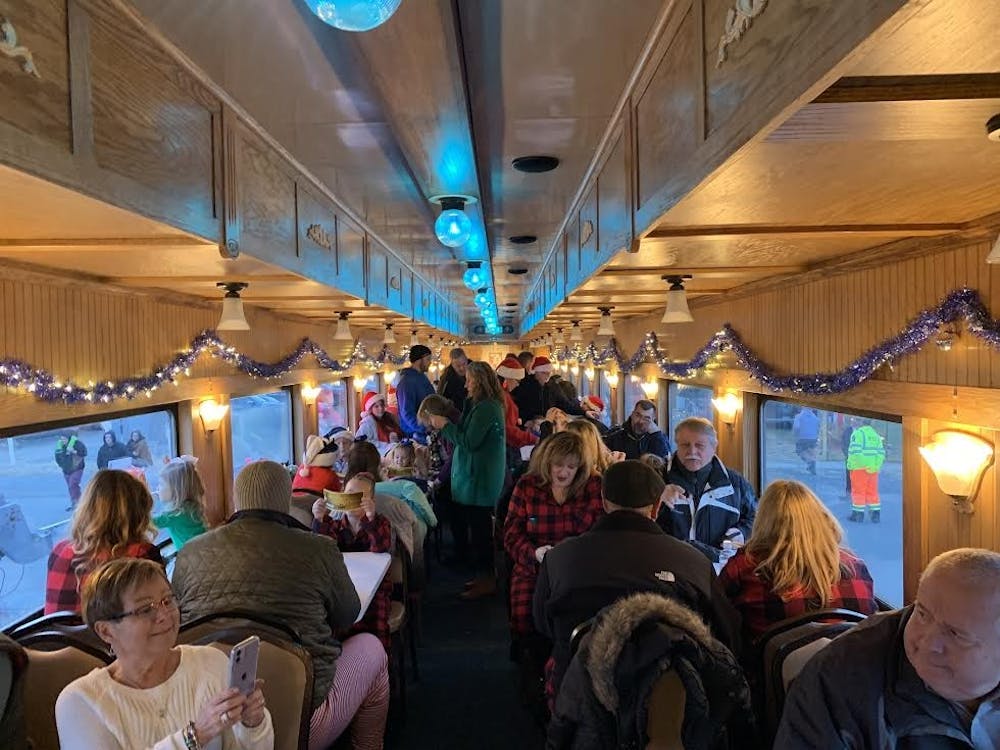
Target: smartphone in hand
<point>243,664</point>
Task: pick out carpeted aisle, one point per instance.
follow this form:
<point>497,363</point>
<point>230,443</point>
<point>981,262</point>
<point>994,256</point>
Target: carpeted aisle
<point>467,697</point>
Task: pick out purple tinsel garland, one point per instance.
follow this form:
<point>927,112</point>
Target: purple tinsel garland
<point>44,386</point>
<point>961,304</point>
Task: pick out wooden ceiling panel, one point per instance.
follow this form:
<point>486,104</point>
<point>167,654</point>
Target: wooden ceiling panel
<point>756,254</point>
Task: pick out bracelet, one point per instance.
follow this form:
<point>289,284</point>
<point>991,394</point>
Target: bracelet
<point>191,737</point>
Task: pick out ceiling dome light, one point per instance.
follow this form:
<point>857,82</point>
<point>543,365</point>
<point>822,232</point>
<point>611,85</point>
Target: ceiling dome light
<point>607,327</point>
<point>354,15</point>
<point>343,332</point>
<point>474,277</point>
<point>535,164</point>
<point>453,228</point>
<point>232,318</point>
<point>993,128</point>
<point>576,334</point>
<point>390,337</point>
<point>677,306</point>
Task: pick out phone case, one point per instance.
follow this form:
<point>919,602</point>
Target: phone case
<point>243,664</point>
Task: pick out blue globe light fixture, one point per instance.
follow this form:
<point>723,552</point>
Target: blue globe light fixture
<point>474,277</point>
<point>453,228</point>
<point>482,299</point>
<point>354,15</point>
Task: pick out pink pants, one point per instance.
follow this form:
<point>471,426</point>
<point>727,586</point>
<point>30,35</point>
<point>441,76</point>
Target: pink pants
<point>359,697</point>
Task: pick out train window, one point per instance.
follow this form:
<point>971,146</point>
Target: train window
<point>633,393</point>
<point>331,406</point>
<point>599,385</point>
<point>262,428</point>
<point>685,401</point>
<point>38,490</point>
<point>811,446</point>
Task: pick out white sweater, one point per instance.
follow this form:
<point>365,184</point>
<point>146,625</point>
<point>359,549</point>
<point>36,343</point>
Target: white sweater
<point>97,712</point>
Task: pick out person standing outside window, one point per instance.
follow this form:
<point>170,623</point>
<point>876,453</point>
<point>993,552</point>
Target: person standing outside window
<point>805,428</point>
<point>70,454</point>
<point>865,456</point>
<point>412,388</point>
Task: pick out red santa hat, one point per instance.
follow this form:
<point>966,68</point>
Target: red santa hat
<point>541,364</point>
<point>510,368</point>
<point>593,403</point>
<point>319,452</point>
<point>371,398</point>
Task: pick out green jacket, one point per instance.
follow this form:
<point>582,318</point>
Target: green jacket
<point>480,460</point>
<point>866,450</point>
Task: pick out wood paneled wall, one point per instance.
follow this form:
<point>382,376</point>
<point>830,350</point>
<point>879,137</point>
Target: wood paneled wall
<point>823,323</point>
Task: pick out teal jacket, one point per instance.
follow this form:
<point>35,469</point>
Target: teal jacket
<point>480,460</point>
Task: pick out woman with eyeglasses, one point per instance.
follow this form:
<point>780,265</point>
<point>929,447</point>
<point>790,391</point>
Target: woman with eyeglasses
<point>155,694</point>
<point>112,520</point>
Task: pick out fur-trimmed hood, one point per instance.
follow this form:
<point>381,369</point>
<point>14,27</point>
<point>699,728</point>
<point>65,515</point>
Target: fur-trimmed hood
<point>616,627</point>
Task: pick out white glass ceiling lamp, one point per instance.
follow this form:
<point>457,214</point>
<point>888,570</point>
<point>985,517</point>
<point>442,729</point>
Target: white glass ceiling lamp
<point>390,337</point>
<point>474,277</point>
<point>576,334</point>
<point>558,339</point>
<point>958,460</point>
<point>607,327</point>
<point>354,15</point>
<point>232,318</point>
<point>414,339</point>
<point>677,306</point>
<point>343,332</point>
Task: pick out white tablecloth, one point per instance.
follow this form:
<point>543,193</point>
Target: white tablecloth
<point>366,569</point>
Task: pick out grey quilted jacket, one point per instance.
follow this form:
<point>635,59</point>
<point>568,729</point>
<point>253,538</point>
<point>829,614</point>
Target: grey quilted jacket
<point>267,562</point>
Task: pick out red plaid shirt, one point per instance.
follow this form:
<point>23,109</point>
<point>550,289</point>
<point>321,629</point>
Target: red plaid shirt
<point>761,607</point>
<point>63,583</point>
<point>534,520</point>
<point>373,535</point>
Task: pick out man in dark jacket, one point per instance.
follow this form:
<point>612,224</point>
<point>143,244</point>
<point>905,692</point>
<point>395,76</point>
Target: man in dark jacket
<point>623,553</point>
<point>263,560</point>
<point>705,502</point>
<point>412,387</point>
<point>70,457</point>
<point>927,676</point>
<point>640,434</point>
<point>452,383</point>
<point>528,395</point>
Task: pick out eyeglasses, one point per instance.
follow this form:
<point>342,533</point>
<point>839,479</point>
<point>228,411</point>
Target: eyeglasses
<point>149,611</point>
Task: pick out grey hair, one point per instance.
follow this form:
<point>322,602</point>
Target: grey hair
<point>457,353</point>
<point>698,424</point>
<point>980,567</point>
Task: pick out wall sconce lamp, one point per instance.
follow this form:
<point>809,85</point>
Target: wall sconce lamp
<point>359,383</point>
<point>212,413</point>
<point>389,376</point>
<point>575,369</point>
<point>958,460</point>
<point>650,388</point>
<point>589,372</point>
<point>727,406</point>
<point>612,378</point>
<point>310,393</point>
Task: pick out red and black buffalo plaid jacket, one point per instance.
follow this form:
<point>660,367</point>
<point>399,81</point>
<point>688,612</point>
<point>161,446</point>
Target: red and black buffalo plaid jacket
<point>534,520</point>
<point>63,584</point>
<point>761,607</point>
<point>374,535</point>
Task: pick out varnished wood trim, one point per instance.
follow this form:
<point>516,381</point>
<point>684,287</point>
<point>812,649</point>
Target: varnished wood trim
<point>101,243</point>
<point>912,88</point>
<point>81,104</point>
<point>780,231</point>
<point>231,225</point>
<point>701,111</point>
<point>702,271</point>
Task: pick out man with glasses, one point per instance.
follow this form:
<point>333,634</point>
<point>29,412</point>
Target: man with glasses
<point>640,434</point>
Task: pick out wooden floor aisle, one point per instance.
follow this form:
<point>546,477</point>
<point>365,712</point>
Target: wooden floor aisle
<point>467,697</point>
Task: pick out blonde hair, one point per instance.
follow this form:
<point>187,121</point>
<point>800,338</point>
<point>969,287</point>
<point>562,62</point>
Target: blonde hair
<point>599,455</point>
<point>181,488</point>
<point>558,447</point>
<point>795,542</point>
<point>113,513</point>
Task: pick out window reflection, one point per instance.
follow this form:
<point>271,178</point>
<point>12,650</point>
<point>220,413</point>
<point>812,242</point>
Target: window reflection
<point>688,401</point>
<point>262,428</point>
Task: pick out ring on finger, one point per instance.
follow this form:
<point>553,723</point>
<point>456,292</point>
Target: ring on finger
<point>224,717</point>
